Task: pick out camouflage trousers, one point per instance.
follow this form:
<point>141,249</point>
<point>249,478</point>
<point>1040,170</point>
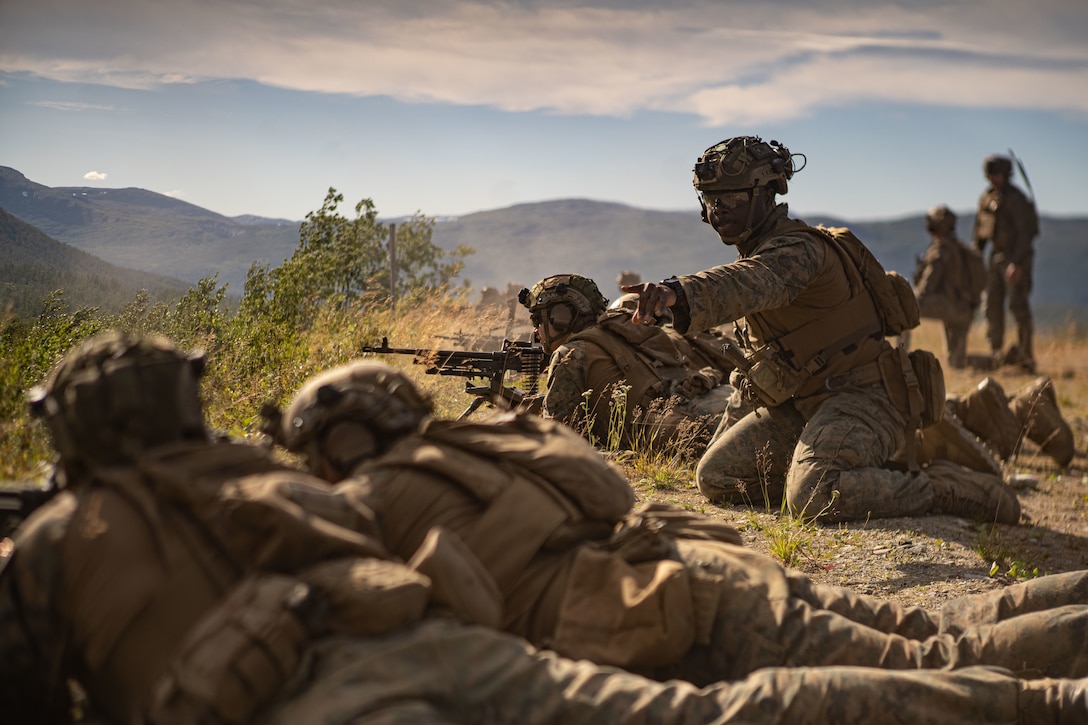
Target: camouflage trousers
<point>997,292</point>
<point>955,340</point>
<point>824,456</point>
<point>444,672</point>
<point>752,613</point>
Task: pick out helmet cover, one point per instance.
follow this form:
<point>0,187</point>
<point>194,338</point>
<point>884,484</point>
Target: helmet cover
<point>744,162</point>
<point>380,397</point>
<point>579,293</point>
<point>996,163</point>
<point>940,217</point>
<point>116,396</point>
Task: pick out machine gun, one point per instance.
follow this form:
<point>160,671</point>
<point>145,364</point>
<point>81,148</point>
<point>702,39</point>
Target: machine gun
<point>486,371</point>
<point>18,499</point>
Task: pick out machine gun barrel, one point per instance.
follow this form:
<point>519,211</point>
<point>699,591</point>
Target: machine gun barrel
<point>518,357</point>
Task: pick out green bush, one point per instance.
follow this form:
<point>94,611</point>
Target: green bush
<point>311,312</point>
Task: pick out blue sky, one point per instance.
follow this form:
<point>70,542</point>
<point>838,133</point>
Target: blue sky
<point>447,107</point>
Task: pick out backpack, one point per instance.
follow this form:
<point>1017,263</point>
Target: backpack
<point>891,292</point>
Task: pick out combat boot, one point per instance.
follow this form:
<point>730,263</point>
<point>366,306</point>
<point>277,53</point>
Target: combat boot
<point>1053,701</point>
<point>985,412</point>
<point>959,491</point>
<point>949,440</point>
<point>1018,356</point>
<point>1036,407</point>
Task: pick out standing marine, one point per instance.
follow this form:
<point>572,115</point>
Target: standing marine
<point>949,282</point>
<point>1007,221</point>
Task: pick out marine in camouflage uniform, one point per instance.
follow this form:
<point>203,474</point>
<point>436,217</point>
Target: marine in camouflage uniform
<point>178,579</point>
<point>619,383</point>
<point>942,283</point>
<point>655,590</point>
<point>832,409</point>
<point>1007,221</point>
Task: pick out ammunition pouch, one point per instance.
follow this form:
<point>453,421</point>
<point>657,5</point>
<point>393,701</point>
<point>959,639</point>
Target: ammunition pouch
<point>238,658</point>
<point>770,379</point>
<point>616,612</point>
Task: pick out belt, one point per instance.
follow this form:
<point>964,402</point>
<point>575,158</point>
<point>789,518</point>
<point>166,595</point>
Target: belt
<point>862,375</point>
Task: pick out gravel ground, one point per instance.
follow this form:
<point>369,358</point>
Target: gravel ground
<point>927,560</point>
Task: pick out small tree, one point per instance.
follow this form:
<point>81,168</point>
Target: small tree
<point>340,261</point>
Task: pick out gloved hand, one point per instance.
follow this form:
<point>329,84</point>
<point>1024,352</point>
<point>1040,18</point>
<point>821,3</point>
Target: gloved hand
<point>702,381</point>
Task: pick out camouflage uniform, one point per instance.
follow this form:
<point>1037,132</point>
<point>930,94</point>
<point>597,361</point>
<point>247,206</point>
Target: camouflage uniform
<point>942,284</point>
<point>622,384</point>
<point>438,670</point>
<point>824,450</point>
<point>204,582</point>
<point>181,588</point>
<point>441,670</point>
<point>586,380</point>
<point>837,401</point>
<point>1007,220</point>
<point>654,590</point>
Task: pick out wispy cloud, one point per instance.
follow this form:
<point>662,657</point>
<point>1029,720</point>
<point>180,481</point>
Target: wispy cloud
<point>727,62</point>
<point>95,176</point>
<point>70,106</point>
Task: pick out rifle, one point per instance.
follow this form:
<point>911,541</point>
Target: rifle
<point>19,499</point>
<point>1023,175</point>
<point>489,367</point>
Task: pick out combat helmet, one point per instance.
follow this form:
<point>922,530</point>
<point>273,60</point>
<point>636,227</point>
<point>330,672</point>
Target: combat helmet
<point>940,218</point>
<point>116,396</point>
<point>997,163</point>
<point>744,162</point>
<point>571,302</point>
<point>628,277</point>
<point>380,398</point>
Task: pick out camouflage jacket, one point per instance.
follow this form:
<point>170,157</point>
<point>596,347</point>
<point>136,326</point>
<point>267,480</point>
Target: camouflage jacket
<point>617,377</point>
<point>1007,218</point>
<point>942,274</point>
<point>107,582</point>
<point>787,277</point>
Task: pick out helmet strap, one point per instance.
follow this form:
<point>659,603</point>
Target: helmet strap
<point>549,342</point>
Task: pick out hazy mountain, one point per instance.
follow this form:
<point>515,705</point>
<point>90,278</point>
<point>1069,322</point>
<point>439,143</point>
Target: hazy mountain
<point>519,244</point>
<point>527,242</point>
<point>143,230</point>
<point>33,265</point>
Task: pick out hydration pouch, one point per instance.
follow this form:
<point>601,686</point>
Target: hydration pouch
<point>918,389</point>
<point>931,385</point>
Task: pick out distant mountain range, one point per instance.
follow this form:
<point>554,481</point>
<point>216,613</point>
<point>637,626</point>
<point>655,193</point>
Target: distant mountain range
<point>517,245</point>
<point>143,230</point>
<point>33,265</point>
